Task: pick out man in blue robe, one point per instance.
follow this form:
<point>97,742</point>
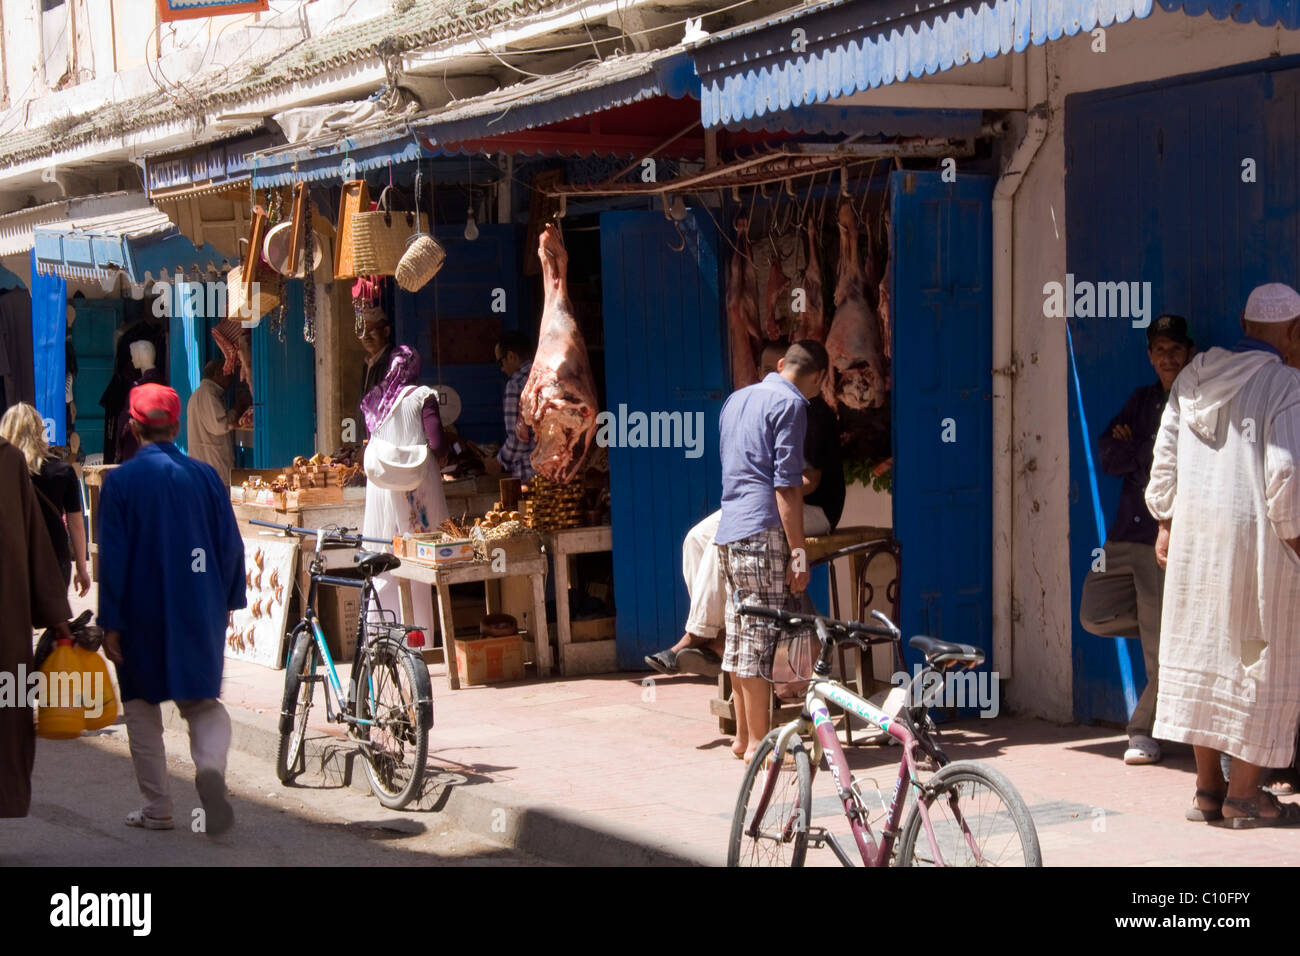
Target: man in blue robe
<point>172,567</point>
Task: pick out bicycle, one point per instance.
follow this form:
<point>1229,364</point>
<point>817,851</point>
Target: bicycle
<point>388,703</point>
<point>778,831</point>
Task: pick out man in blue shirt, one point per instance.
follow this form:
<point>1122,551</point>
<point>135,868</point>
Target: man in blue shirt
<point>761,439</point>
<point>1131,582</point>
<point>172,568</point>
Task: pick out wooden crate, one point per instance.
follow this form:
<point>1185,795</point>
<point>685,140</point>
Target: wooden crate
<point>595,629</point>
<point>338,609</point>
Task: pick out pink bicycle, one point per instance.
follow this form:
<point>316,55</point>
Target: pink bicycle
<point>965,814</point>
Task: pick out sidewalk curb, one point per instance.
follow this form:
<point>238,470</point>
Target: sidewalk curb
<point>488,810</point>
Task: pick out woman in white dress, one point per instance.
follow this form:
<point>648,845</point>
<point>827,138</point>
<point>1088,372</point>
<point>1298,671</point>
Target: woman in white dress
<point>403,478</point>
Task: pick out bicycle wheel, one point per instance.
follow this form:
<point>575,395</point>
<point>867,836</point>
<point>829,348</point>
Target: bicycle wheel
<point>978,819</point>
<point>299,685</point>
<point>780,838</point>
<point>393,693</point>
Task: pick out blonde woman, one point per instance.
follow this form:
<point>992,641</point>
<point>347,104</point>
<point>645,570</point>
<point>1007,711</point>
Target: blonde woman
<point>58,490</point>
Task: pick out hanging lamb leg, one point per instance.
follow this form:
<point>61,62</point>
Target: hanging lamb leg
<point>559,399</point>
<point>857,362</point>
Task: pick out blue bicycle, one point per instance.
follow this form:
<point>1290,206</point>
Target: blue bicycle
<point>388,703</point>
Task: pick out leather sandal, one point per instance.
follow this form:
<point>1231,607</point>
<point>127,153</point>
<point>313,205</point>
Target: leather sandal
<point>1197,815</point>
<point>1288,813</point>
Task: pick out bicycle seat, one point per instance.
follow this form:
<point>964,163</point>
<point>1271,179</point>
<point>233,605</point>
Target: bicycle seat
<point>376,562</point>
<point>942,652</point>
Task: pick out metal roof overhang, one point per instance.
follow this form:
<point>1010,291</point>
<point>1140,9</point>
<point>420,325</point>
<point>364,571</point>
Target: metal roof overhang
<point>139,242</point>
<point>582,91</point>
<point>840,47</point>
<point>336,156</point>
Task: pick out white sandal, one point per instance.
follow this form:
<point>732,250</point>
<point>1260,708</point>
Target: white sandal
<point>138,818</point>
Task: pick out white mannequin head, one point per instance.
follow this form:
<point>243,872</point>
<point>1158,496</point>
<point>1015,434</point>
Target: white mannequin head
<point>143,355</point>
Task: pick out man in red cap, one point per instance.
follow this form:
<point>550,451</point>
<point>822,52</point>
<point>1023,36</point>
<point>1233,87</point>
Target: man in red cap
<point>172,567</point>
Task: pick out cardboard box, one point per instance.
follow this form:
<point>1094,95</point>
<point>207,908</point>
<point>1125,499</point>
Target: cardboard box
<point>446,552</point>
<point>490,660</point>
<point>595,629</point>
<point>338,608</point>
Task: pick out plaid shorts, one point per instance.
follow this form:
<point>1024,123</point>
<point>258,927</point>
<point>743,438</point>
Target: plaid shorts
<point>755,564</point>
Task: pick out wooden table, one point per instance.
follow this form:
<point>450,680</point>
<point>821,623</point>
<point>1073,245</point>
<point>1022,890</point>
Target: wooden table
<point>590,657</point>
<point>441,579</point>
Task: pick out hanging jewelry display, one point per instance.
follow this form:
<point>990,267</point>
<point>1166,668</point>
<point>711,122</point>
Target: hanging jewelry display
<point>309,283</point>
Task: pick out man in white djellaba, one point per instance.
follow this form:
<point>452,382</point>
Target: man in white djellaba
<point>1225,490</point>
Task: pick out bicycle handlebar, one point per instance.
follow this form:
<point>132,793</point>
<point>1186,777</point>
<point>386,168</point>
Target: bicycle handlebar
<point>326,534</point>
<point>851,629</point>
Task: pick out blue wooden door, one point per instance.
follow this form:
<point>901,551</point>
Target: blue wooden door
<point>942,404</point>
<point>284,388</point>
<point>1157,190</point>
<point>663,353</point>
<point>92,341</point>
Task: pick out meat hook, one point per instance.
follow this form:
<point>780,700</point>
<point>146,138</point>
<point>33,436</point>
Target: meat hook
<point>681,247</point>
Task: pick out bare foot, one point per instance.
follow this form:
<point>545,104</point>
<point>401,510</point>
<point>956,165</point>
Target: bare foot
<point>749,755</point>
<point>739,747</point>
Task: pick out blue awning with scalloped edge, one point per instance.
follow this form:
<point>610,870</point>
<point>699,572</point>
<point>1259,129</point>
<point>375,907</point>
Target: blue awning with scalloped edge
<point>841,47</point>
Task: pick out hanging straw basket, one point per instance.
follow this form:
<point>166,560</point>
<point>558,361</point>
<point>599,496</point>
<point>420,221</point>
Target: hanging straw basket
<point>267,294</point>
<point>423,256</point>
<point>379,238</point>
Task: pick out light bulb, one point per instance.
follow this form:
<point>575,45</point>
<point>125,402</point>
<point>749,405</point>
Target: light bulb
<point>471,227</point>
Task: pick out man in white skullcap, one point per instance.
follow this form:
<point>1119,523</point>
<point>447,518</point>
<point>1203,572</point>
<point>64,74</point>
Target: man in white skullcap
<point>1224,489</point>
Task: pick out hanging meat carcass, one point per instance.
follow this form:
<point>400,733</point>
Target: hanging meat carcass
<point>742,311</point>
<point>559,398</point>
<point>776,286</point>
<point>812,321</point>
<point>858,377</point>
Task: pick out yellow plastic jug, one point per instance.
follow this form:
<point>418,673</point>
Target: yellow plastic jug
<point>61,715</point>
<point>93,691</point>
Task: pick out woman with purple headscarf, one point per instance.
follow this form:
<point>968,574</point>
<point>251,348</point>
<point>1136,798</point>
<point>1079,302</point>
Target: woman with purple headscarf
<point>403,479</point>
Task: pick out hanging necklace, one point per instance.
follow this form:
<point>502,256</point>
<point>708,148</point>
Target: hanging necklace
<point>309,286</point>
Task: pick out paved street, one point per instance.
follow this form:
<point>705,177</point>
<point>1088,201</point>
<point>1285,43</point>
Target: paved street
<point>82,790</point>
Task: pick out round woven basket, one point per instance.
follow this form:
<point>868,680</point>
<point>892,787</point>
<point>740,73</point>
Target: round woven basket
<point>420,262</point>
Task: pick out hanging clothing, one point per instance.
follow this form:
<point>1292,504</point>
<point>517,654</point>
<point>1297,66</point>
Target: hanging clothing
<point>411,424</point>
<point>171,567</point>
<point>1224,473</point>
<point>17,373</point>
<point>59,493</point>
<point>32,595</point>
<point>126,444</point>
<point>114,399</point>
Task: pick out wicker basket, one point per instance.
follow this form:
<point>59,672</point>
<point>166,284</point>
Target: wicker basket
<point>379,238</point>
<point>267,295</point>
<point>420,263</point>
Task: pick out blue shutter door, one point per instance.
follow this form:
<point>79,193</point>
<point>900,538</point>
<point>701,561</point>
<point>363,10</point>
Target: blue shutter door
<point>92,340</point>
<point>284,388</point>
<point>663,352</point>
<point>1154,193</point>
<point>943,356</point>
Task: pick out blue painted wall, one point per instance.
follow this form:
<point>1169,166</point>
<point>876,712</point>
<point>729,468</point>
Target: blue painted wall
<point>463,289</point>
<point>943,353</point>
<point>284,388</point>
<point>1154,193</point>
<point>663,352</point>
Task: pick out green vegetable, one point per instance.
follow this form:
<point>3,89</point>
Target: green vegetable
<point>862,472</point>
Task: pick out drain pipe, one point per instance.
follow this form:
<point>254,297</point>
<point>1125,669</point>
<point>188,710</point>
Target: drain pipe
<point>1004,370</point>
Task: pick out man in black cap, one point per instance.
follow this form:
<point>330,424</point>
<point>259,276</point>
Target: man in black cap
<point>1126,582</point>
